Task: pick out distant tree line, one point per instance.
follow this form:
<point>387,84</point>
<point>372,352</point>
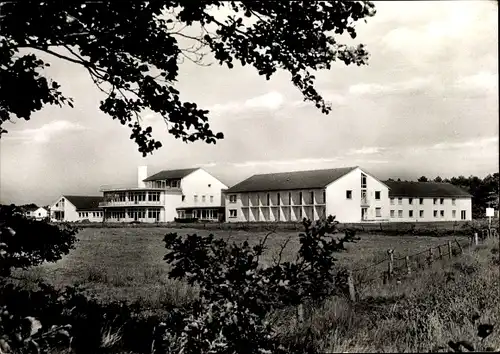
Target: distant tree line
<point>485,191</point>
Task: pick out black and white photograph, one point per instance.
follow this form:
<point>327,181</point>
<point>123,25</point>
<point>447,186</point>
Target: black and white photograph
<point>226,177</point>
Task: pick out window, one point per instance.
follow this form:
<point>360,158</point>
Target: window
<point>363,180</point>
<point>442,213</point>
<point>324,197</point>
<point>421,201</point>
<point>377,195</point>
<point>392,213</point>
<point>453,214</point>
<point>312,198</point>
<point>378,212</point>
<point>289,198</point>
<point>392,201</point>
<point>441,201</point>
<point>268,199</point>
<point>400,201</point>
<point>211,199</point>
<point>196,198</point>
<point>453,201</point>
<point>435,200</point>
<point>232,198</point>
<point>203,198</point>
<point>79,214</point>
<point>410,213</point>
<point>410,201</point>
<point>183,198</point>
<point>278,197</point>
<point>400,213</point>
<point>421,213</point>
<point>435,213</point>
<point>232,213</point>
<point>154,196</point>
<point>348,194</point>
<point>209,185</point>
<point>463,214</point>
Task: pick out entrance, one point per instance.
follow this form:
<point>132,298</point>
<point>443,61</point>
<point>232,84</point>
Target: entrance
<point>364,213</point>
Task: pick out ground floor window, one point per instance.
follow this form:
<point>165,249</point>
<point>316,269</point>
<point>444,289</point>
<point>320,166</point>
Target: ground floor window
<point>154,214</point>
<point>232,213</point>
<point>378,212</point>
<point>463,214</point>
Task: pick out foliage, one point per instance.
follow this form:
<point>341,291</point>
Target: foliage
<point>26,242</point>
<point>236,293</point>
<point>132,52</point>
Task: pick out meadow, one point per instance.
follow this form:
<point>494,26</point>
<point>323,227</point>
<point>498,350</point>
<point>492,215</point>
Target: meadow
<point>422,313</point>
<point>127,263</point>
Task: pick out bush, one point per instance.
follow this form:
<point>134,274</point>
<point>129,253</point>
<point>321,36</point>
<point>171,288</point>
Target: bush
<point>237,294</point>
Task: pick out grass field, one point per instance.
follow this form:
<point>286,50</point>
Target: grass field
<point>127,263</point>
<point>419,314</point>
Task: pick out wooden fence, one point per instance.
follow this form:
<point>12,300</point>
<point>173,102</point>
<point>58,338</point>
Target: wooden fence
<point>397,269</point>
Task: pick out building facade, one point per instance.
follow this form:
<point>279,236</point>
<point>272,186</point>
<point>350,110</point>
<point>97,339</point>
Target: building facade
<point>165,196</point>
<point>428,201</point>
<point>350,194</point>
<point>73,208</point>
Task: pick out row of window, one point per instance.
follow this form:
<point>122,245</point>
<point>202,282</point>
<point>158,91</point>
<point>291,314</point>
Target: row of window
<point>463,214</point>
<point>165,184</point>
<point>233,198</point>
<point>233,213</point>
<point>135,214</point>
<point>93,214</point>
<point>203,198</point>
<point>421,201</point>
<point>348,194</point>
<point>136,196</point>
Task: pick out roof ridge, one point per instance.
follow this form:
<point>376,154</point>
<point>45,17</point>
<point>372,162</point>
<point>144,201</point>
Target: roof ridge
<point>320,169</point>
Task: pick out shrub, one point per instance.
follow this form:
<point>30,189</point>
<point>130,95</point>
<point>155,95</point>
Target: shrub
<point>237,294</point>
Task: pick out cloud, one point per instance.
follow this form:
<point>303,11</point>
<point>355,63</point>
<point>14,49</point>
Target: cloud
<point>46,132</point>
<point>375,88</point>
<point>333,97</point>
<point>366,151</point>
<point>473,143</point>
<point>285,162</point>
<point>483,80</point>
<point>270,101</point>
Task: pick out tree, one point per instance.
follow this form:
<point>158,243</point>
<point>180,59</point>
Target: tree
<point>438,179</point>
<point>132,53</point>
<point>423,179</point>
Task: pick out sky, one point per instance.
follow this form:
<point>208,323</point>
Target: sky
<point>427,104</point>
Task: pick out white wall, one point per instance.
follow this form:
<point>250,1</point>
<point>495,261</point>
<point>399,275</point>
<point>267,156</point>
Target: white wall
<point>69,209</point>
<point>40,213</point>
<point>201,183</point>
<point>428,208</point>
<point>172,202</point>
<point>349,210</point>
<point>89,215</point>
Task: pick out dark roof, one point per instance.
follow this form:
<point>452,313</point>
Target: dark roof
<point>30,208</point>
<point>170,174</point>
<point>83,202</point>
<point>290,180</point>
<point>424,189</point>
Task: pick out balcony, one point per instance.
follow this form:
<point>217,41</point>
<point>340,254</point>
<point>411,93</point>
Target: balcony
<point>365,202</point>
<point>130,203</point>
<point>124,187</point>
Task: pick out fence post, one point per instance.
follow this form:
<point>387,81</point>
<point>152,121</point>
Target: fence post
<point>350,283</point>
<point>459,246</point>
<point>391,265</point>
<point>430,256</point>
<point>449,250</point>
<point>408,269</point>
<point>440,253</point>
<point>475,238</point>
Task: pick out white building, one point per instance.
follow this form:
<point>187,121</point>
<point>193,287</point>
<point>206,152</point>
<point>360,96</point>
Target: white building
<point>428,201</point>
<point>40,213</point>
<point>164,196</point>
<point>350,194</point>
<point>76,208</point>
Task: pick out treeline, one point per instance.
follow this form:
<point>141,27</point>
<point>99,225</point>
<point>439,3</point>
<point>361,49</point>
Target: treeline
<point>484,191</point>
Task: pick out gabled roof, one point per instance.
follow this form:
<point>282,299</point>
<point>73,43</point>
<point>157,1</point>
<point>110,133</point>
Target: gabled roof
<point>171,174</point>
<point>424,189</point>
<point>290,180</point>
<point>83,202</point>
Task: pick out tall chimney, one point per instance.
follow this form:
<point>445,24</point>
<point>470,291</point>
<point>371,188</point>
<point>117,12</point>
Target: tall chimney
<point>142,174</point>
